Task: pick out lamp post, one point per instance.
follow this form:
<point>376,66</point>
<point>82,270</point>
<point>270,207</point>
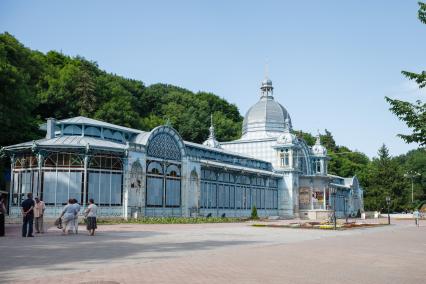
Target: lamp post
<point>333,193</point>
<point>346,209</point>
<point>411,175</point>
<point>388,201</point>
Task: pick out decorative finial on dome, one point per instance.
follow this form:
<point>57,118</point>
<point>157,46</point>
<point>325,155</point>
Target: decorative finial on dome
<point>318,140</point>
<point>318,149</point>
<point>211,141</point>
<point>266,88</point>
<point>212,135</point>
<point>287,124</point>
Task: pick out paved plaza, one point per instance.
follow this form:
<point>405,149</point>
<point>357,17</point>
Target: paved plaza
<point>217,253</point>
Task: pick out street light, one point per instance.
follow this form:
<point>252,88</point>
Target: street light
<point>346,209</point>
<point>412,175</point>
<point>333,193</point>
<point>388,201</point>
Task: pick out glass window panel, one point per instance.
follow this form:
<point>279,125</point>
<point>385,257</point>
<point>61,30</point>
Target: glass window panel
<point>172,192</point>
<point>62,188</point>
<point>213,196</point>
<point>105,188</point>
<point>202,193</point>
<point>26,178</point>
<point>231,197</point>
<point>75,186</point>
<point>226,197</point>
<point>116,189</point>
<point>49,187</point>
<point>93,188</point>
<point>154,191</point>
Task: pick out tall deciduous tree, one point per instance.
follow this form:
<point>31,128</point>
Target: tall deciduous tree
<point>413,114</point>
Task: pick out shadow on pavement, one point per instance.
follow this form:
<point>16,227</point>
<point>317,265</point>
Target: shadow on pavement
<point>52,250</point>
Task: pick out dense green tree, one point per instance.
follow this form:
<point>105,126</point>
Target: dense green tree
<point>85,89</point>
<point>386,178</point>
<point>413,114</point>
<point>414,162</point>
<point>19,75</point>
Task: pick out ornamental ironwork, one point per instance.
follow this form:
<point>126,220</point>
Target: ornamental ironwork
<point>163,146</point>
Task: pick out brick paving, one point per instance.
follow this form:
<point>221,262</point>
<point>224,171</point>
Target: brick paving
<point>217,253</point>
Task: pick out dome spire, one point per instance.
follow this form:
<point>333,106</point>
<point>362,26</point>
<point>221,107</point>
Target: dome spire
<point>212,135</point>
<point>266,88</point>
<point>318,138</point>
<point>211,141</point>
<point>287,124</point>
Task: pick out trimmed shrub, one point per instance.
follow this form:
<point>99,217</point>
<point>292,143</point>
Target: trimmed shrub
<point>254,215</point>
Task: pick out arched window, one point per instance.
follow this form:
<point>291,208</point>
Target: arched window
<point>284,158</point>
<point>72,130</point>
<point>317,166</point>
<point>173,171</point>
<point>155,168</point>
<point>163,190</point>
<point>92,131</point>
<point>108,134</point>
<point>136,175</point>
<point>118,136</point>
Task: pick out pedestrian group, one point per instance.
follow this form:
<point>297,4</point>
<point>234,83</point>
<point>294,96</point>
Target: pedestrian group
<point>33,210</point>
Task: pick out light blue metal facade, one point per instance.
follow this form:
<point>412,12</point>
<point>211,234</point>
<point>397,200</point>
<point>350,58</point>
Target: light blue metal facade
<point>129,172</point>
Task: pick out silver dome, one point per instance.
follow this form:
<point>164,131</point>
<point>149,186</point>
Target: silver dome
<point>267,117</point>
<point>318,149</point>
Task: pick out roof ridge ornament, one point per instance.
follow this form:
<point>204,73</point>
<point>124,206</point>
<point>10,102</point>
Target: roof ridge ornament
<point>287,124</point>
<point>212,141</point>
<point>266,87</point>
<point>211,128</point>
<point>318,138</point>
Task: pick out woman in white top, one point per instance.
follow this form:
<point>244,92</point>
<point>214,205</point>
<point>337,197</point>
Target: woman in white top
<point>90,214</point>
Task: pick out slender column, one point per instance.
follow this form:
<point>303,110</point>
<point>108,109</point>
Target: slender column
<point>86,160</point>
<point>40,167</point>
<point>325,199</point>
<point>312,198</point>
<point>12,183</point>
<point>126,188</point>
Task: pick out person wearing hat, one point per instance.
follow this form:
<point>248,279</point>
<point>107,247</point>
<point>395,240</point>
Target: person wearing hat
<point>39,208</point>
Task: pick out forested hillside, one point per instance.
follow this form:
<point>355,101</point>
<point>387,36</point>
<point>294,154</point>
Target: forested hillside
<point>34,86</point>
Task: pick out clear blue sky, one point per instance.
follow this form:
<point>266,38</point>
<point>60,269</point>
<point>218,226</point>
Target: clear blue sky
<point>331,62</point>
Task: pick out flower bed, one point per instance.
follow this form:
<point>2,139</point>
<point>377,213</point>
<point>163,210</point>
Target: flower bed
<point>170,220</point>
<point>319,226</point>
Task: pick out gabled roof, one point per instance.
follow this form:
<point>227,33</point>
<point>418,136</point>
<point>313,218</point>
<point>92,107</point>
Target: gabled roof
<point>93,122</point>
<point>71,142</point>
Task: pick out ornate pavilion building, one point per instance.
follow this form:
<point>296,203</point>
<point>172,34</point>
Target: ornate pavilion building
<point>131,172</point>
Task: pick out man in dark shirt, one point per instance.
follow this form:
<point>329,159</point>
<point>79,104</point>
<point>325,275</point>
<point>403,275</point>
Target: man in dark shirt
<point>27,209</point>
